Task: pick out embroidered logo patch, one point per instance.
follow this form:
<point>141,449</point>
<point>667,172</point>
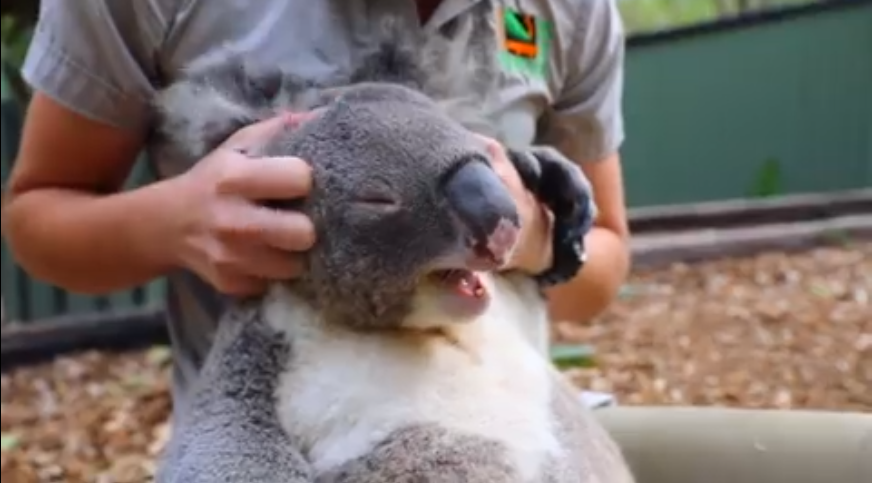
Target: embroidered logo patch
<point>525,41</point>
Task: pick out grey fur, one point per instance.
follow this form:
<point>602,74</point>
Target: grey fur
<point>427,453</point>
<point>456,67</point>
<point>230,431</point>
<point>367,109</point>
<point>600,459</point>
<point>386,134</point>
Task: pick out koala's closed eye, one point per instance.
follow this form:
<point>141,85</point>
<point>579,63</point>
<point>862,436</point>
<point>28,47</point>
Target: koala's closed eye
<point>378,194</point>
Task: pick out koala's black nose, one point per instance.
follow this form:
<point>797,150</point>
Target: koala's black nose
<point>483,203</point>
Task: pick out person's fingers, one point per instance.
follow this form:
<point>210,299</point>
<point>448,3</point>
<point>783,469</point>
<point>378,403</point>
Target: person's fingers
<point>239,285</point>
<point>266,178</point>
<point>495,150</point>
<point>296,119</point>
<point>546,230</point>
<point>265,262</point>
<point>503,165</point>
<point>257,133</point>
<point>286,230</point>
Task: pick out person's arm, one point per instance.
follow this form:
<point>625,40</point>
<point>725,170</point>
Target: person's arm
<point>587,125</point>
<point>63,216</point>
<point>90,65</point>
<point>68,223</point>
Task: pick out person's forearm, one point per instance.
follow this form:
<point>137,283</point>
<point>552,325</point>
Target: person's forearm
<point>597,284</point>
<point>88,243</point>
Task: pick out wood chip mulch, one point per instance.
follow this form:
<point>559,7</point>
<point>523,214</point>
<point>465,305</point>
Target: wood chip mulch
<point>773,331</point>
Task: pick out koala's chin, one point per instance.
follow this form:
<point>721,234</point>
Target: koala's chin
<point>452,290</point>
<point>452,296</point>
<point>449,297</point>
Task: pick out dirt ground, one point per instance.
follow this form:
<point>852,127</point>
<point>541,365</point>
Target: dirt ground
<point>773,331</point>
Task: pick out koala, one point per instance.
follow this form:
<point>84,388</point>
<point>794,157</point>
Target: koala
<point>405,353</point>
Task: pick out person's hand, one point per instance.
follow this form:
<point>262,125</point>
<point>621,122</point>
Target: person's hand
<point>533,251</point>
<point>223,235</point>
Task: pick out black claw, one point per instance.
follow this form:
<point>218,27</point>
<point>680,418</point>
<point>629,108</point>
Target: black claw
<point>559,184</point>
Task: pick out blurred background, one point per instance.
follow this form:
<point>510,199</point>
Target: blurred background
<point>748,168</point>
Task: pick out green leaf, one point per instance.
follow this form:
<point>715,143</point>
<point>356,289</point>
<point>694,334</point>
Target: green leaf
<point>9,442</point>
<point>768,180</point>
<point>159,355</point>
<point>566,356</point>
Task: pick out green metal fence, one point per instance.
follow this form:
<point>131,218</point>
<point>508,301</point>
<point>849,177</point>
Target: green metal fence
<point>775,107</point>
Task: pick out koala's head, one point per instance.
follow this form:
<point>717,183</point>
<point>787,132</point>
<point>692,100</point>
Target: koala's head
<point>406,206</point>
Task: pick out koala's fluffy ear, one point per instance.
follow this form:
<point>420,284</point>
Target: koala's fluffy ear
<point>561,186</point>
<point>460,70</point>
<point>218,96</point>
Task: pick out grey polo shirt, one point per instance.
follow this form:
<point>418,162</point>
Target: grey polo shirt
<point>105,59</point>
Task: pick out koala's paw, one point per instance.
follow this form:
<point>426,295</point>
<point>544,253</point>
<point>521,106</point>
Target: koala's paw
<point>562,187</point>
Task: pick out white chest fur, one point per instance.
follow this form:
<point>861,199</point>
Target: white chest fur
<point>346,392</point>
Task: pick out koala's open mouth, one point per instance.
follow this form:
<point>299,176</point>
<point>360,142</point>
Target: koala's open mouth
<point>460,272</point>
<point>462,282</point>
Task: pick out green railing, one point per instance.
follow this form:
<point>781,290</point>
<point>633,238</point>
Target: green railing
<point>777,105</point>
<point>764,107</point>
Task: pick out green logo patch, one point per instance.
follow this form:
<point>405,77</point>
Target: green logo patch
<point>525,41</point>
